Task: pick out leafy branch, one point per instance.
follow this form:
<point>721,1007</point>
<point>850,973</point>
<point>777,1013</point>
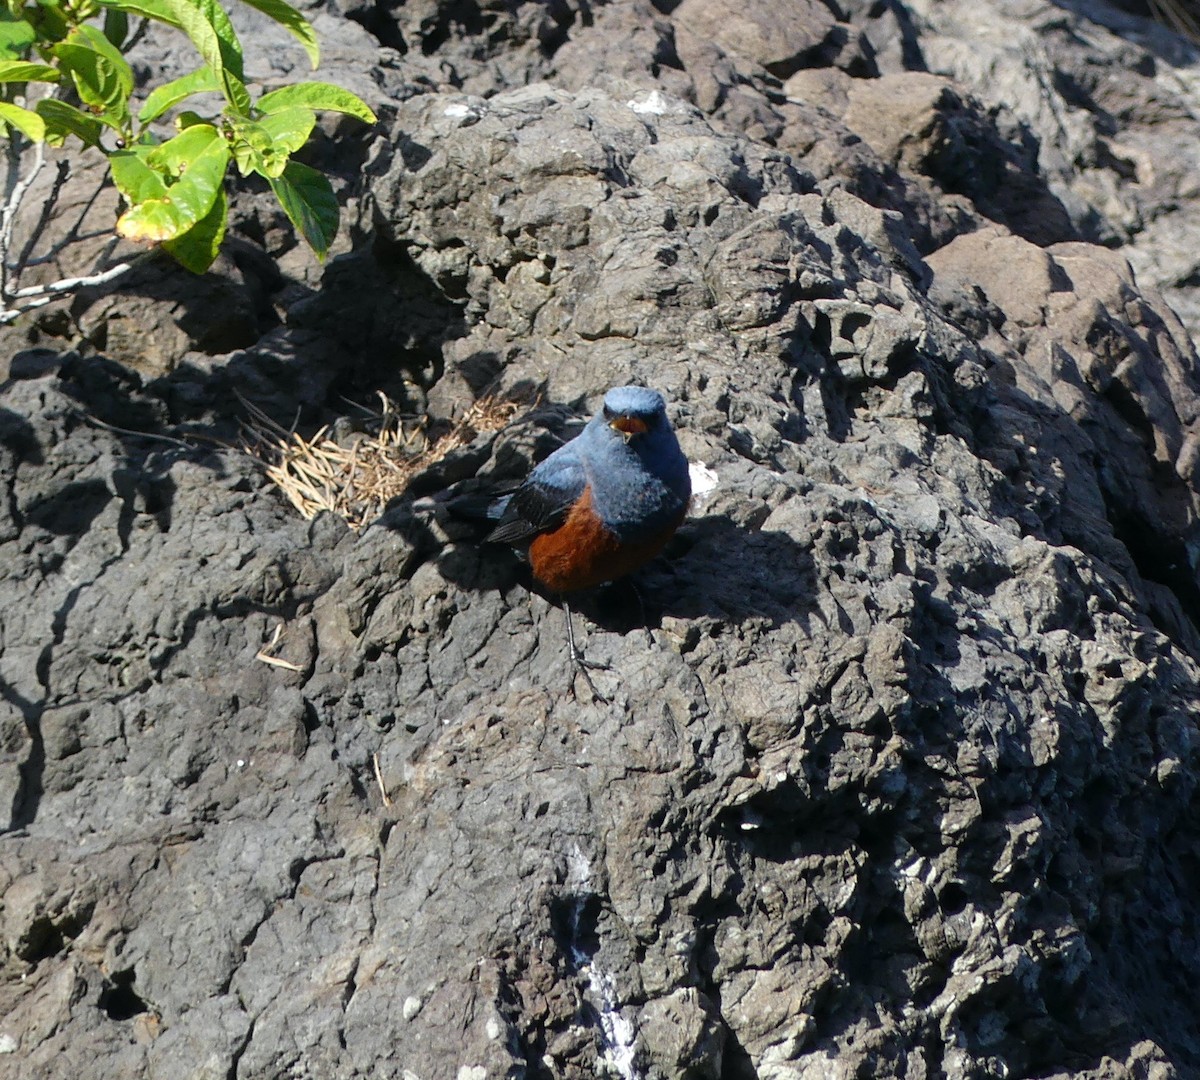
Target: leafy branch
<point>63,75</point>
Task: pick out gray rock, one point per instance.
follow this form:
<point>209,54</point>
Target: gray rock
<point>1104,100</point>
<point>904,784</point>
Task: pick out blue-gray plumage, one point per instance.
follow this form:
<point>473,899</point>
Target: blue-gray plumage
<point>606,502</point>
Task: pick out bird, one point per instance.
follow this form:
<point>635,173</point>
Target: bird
<point>602,505</point>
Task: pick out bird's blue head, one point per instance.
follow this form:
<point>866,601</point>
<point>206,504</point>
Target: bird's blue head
<point>634,410</point>
<point>640,475</point>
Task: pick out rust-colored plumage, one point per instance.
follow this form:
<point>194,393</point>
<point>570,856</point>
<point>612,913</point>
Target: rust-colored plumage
<point>582,553</point>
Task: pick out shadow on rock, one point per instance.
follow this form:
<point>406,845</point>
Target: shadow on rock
<point>711,569</point>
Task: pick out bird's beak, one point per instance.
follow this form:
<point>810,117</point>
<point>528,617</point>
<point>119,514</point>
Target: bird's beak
<point>628,426</point>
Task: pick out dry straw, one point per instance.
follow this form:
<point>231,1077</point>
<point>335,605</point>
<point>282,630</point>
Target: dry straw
<point>356,476</point>
<point>1182,16</point>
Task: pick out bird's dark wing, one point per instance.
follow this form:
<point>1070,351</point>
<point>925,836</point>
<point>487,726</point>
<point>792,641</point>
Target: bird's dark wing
<point>482,506</point>
<point>541,503</point>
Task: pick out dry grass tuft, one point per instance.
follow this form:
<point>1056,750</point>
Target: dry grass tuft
<point>355,476</point>
<point>1182,16</point>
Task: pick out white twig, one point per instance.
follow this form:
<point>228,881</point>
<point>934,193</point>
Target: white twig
<point>15,187</point>
<point>15,301</point>
<point>17,192</point>
<point>67,284</point>
<point>36,296</point>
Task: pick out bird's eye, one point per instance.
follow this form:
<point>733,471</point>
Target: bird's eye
<point>608,413</point>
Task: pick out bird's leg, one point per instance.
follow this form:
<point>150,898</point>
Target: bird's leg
<point>642,607</point>
<point>576,656</point>
<point>578,663</point>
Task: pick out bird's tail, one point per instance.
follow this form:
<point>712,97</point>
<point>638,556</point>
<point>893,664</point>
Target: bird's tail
<point>482,508</point>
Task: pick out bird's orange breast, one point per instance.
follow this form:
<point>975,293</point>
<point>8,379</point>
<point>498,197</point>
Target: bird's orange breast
<point>582,553</point>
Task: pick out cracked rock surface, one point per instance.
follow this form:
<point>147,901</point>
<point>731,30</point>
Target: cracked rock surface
<point>904,784</point>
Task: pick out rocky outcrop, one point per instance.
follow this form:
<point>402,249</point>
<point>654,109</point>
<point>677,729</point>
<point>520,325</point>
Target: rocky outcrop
<point>904,783</point>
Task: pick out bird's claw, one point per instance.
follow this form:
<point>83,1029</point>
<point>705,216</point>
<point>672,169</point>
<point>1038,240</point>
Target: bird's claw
<point>592,665</point>
<point>580,667</point>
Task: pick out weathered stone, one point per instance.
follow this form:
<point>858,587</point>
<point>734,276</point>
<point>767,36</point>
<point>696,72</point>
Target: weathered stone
<point>903,785</point>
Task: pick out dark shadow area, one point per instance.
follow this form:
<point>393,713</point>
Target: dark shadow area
<point>458,18</point>
<point>910,38</point>
<point>735,1060</point>
<point>219,312</point>
<point>480,29</point>
<point>71,509</point>
<point>378,324</point>
<point>711,569</point>
<point>716,569</point>
<point>32,769</point>
<point>18,438</point>
<point>574,919</point>
<point>1165,560</point>
<point>119,1000</point>
<point>46,936</point>
<point>998,171</point>
<point>1145,505</point>
<point>1144,23</point>
<point>374,19</point>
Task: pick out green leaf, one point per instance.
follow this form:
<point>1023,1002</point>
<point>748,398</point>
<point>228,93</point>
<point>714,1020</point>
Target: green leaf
<point>96,40</point>
<point>316,95</point>
<point>134,178</point>
<point>236,93</point>
<point>231,48</point>
<point>180,154</point>
<point>167,96</point>
<point>204,36</point>
<point>204,21</point>
<point>292,21</point>
<point>308,200</point>
<point>23,71</point>
<point>208,26</point>
<point>198,157</point>
<point>16,36</point>
<point>49,20</point>
<point>230,65</point>
<point>101,76</point>
<point>116,26</point>
<point>198,247</point>
<point>29,124</point>
<point>158,10</point>
<point>94,78</point>
<point>252,149</point>
<point>63,120</point>
<point>250,158</point>
<point>288,129</point>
